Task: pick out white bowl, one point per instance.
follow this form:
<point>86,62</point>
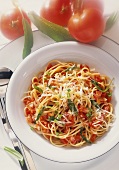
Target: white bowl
<point>20,81</point>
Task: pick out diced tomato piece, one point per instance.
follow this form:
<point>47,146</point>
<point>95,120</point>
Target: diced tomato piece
<point>70,119</point>
<point>35,80</point>
<point>27,100</point>
<point>109,98</point>
<point>97,94</point>
<point>93,138</point>
<point>75,139</point>
<point>97,78</point>
<point>64,141</point>
<point>29,119</point>
<point>45,123</point>
<point>107,108</point>
<point>49,66</point>
<point>82,109</point>
<point>82,66</point>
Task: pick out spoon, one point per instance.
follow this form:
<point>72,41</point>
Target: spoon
<point>5,75</point>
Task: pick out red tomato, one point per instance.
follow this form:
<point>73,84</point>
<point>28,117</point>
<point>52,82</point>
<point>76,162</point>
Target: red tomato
<point>11,23</point>
<point>87,26</point>
<point>57,11</point>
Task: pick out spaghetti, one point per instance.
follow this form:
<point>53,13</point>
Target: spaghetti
<point>69,104</point>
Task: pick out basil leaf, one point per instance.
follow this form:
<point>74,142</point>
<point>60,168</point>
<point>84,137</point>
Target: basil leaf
<point>28,35</point>
<point>15,153</point>
<point>71,106</point>
<point>111,20</point>
<point>54,31</point>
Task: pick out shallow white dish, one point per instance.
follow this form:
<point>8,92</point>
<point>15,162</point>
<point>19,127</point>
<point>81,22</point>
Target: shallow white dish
<point>20,81</point>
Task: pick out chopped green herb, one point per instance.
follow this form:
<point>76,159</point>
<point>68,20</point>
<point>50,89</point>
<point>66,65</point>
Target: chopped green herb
<point>48,107</point>
<point>52,87</point>
<point>68,93</point>
<point>89,114</point>
<point>51,118</point>
<point>57,133</point>
<point>47,73</point>
<point>109,94</point>
<point>56,112</point>
<point>71,68</point>
<point>95,104</point>
<point>38,88</point>
<point>68,90</point>
<point>83,137</point>
<point>72,106</point>
<point>45,78</point>
<point>59,116</point>
<point>40,113</point>
<point>31,128</point>
<point>60,96</point>
<point>96,84</point>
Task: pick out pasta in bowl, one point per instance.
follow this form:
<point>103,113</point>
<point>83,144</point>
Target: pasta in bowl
<point>68,95</point>
<point>69,104</point>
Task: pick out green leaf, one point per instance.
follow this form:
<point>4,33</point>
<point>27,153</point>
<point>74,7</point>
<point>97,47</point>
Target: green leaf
<point>28,42</point>
<point>54,31</point>
<point>111,20</point>
<point>15,153</point>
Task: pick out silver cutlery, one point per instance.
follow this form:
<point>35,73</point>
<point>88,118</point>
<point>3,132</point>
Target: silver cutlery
<point>5,75</point>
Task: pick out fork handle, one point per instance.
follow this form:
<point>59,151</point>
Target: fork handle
<point>24,167</point>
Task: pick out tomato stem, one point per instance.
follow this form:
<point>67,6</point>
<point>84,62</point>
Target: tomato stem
<point>14,23</point>
<point>77,5</point>
<point>63,9</point>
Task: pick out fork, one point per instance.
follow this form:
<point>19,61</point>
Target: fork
<point>5,75</point>
<point>9,130</point>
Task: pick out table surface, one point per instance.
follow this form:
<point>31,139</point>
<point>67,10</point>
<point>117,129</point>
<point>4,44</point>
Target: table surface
<point>108,160</point>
